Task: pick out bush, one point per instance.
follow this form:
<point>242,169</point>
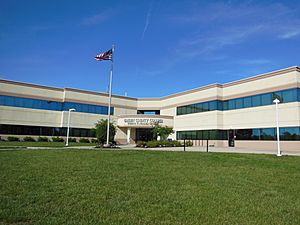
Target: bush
<point>43,139</point>
<point>94,140</point>
<point>29,139</point>
<point>152,144</point>
<point>176,143</point>
<point>57,139</point>
<point>84,140</point>
<point>72,140</point>
<point>155,144</point>
<point>101,130</point>
<point>188,143</point>
<point>141,144</point>
<point>10,138</point>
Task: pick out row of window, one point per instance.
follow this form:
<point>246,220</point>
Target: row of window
<point>286,133</point>
<point>52,105</point>
<point>45,131</point>
<point>290,95</point>
<point>149,112</point>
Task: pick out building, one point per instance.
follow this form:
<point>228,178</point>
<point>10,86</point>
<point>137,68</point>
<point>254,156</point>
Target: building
<point>239,113</point>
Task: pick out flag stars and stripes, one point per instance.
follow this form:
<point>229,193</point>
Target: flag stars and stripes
<point>105,56</point>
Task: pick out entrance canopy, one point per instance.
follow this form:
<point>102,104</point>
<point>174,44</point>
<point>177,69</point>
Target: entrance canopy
<point>144,121</point>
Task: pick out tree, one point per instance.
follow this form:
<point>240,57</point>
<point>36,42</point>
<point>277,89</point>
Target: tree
<point>101,131</point>
<point>163,132</point>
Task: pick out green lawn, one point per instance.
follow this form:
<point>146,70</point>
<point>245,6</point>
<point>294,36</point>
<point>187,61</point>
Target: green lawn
<point>147,187</point>
<point>4,144</point>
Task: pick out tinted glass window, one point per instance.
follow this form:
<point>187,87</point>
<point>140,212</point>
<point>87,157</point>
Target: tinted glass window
<point>247,102</point>
<point>266,99</point>
<point>239,103</point>
<point>256,100</point>
<point>267,134</point>
<point>289,95</point>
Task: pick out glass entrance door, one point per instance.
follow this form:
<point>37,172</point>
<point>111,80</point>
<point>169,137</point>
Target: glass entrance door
<point>231,138</point>
<point>143,134</point>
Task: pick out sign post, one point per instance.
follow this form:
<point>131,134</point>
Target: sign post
<point>276,101</point>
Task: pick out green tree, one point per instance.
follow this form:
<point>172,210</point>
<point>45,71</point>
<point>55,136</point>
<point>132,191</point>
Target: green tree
<point>161,131</point>
<point>101,131</point>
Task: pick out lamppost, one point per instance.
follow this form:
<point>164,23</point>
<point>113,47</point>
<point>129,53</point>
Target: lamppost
<point>276,101</point>
<point>68,129</point>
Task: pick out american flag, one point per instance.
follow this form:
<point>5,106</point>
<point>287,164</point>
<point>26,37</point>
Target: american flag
<point>105,56</point>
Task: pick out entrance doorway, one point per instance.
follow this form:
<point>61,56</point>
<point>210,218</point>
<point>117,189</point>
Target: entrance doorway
<point>143,134</point>
<point>231,138</point>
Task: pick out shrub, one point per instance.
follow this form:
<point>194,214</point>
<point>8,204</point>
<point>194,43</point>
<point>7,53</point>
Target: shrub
<point>57,139</point>
<point>11,138</point>
<point>176,143</point>
<point>94,140</point>
<point>188,143</point>
<point>141,144</point>
<point>72,140</point>
<point>29,139</point>
<point>43,139</point>
<point>84,140</point>
<point>155,144</point>
<point>101,130</point>
<point>152,144</point>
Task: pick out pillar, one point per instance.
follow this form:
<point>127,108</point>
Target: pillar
<point>128,135</point>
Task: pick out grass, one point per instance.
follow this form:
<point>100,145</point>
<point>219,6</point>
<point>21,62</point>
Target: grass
<point>5,144</point>
<point>145,187</point>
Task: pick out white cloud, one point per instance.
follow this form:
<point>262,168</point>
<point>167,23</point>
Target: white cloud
<point>97,19</point>
<point>147,22</point>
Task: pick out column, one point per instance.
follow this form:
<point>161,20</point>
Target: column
<point>128,135</point>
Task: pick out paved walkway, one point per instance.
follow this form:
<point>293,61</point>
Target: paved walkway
<point>217,149</point>
<point>177,149</point>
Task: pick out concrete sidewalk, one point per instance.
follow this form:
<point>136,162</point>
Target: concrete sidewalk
<point>175,149</point>
<point>219,149</point>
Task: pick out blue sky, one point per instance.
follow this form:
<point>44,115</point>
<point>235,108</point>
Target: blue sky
<point>162,47</point>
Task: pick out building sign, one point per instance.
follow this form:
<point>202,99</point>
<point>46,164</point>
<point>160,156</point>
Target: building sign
<point>142,121</point>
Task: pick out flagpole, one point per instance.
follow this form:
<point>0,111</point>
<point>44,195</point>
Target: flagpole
<point>109,95</point>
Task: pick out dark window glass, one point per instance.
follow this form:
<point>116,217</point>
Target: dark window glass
<point>213,135</point>
<point>200,107</point>
<point>231,104</point>
<point>205,134</point>
<point>213,105</point>
<point>266,99</point>
<point>199,135</point>
<point>247,102</point>
<point>267,133</point>
<point>220,105</point>
<point>255,134</point>
<point>205,106</point>
<point>290,133</point>
<point>225,105</point>
<point>256,100</point>
<point>239,103</point>
<point>244,134</point>
<point>278,95</point>
<point>289,95</point>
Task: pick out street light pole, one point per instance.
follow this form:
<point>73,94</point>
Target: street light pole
<point>68,129</point>
<point>276,101</point>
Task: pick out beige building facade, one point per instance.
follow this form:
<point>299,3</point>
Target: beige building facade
<point>236,114</point>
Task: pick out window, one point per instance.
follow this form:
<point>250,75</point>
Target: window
<point>290,95</point>
<point>290,133</point>
<point>205,106</point>
<point>267,134</point>
<point>239,103</point>
<point>256,100</point>
<point>247,102</point>
<point>266,99</point>
<point>213,105</point>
